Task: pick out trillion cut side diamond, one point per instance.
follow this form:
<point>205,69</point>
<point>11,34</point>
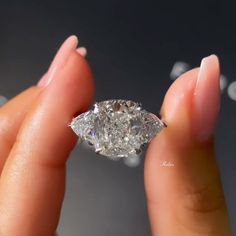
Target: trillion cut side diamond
<point>117,128</point>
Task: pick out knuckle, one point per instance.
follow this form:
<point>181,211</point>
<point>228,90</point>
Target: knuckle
<point>207,199</point>
<point>200,208</point>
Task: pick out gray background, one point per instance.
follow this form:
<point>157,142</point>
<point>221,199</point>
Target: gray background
<point>132,47</point>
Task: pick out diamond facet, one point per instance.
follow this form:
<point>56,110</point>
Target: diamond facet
<point>117,128</point>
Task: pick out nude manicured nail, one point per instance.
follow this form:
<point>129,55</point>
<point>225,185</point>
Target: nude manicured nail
<point>59,60</point>
<point>82,51</point>
<point>206,100</point>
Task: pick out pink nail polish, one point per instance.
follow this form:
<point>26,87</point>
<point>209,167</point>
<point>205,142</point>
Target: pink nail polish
<point>206,99</point>
<point>82,51</point>
<point>62,55</point>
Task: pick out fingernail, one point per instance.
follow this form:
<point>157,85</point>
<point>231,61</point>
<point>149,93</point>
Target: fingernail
<point>59,60</point>
<point>82,51</point>
<point>206,100</point>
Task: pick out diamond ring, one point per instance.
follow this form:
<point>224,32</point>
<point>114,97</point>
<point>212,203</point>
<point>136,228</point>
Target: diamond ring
<point>117,128</point>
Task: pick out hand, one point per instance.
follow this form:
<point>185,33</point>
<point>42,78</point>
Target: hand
<point>185,199</point>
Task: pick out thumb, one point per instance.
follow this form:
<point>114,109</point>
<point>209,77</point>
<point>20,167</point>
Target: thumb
<point>182,181</point>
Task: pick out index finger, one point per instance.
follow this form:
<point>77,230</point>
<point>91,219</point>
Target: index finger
<point>33,178</point>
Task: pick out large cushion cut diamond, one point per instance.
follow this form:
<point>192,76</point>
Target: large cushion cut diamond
<point>117,128</point>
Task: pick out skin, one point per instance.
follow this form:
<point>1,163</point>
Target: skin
<point>185,199</point>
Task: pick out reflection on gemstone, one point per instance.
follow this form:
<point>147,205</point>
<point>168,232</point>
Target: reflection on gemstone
<point>117,128</point>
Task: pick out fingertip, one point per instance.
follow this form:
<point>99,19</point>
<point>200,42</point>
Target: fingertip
<point>85,80</point>
<point>206,98</point>
<point>59,60</point>
<point>177,107</point>
<point>192,103</point>
<point>69,93</point>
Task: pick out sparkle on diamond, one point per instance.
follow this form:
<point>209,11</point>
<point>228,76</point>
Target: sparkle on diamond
<point>117,128</point>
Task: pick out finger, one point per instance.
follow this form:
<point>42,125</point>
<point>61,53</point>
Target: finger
<point>13,112</point>
<point>184,192</point>
<point>33,178</point>
<point>11,117</point>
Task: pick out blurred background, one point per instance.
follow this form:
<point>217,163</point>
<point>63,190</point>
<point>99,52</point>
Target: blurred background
<point>136,50</point>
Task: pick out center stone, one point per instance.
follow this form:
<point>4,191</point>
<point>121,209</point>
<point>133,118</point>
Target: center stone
<point>117,128</point>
